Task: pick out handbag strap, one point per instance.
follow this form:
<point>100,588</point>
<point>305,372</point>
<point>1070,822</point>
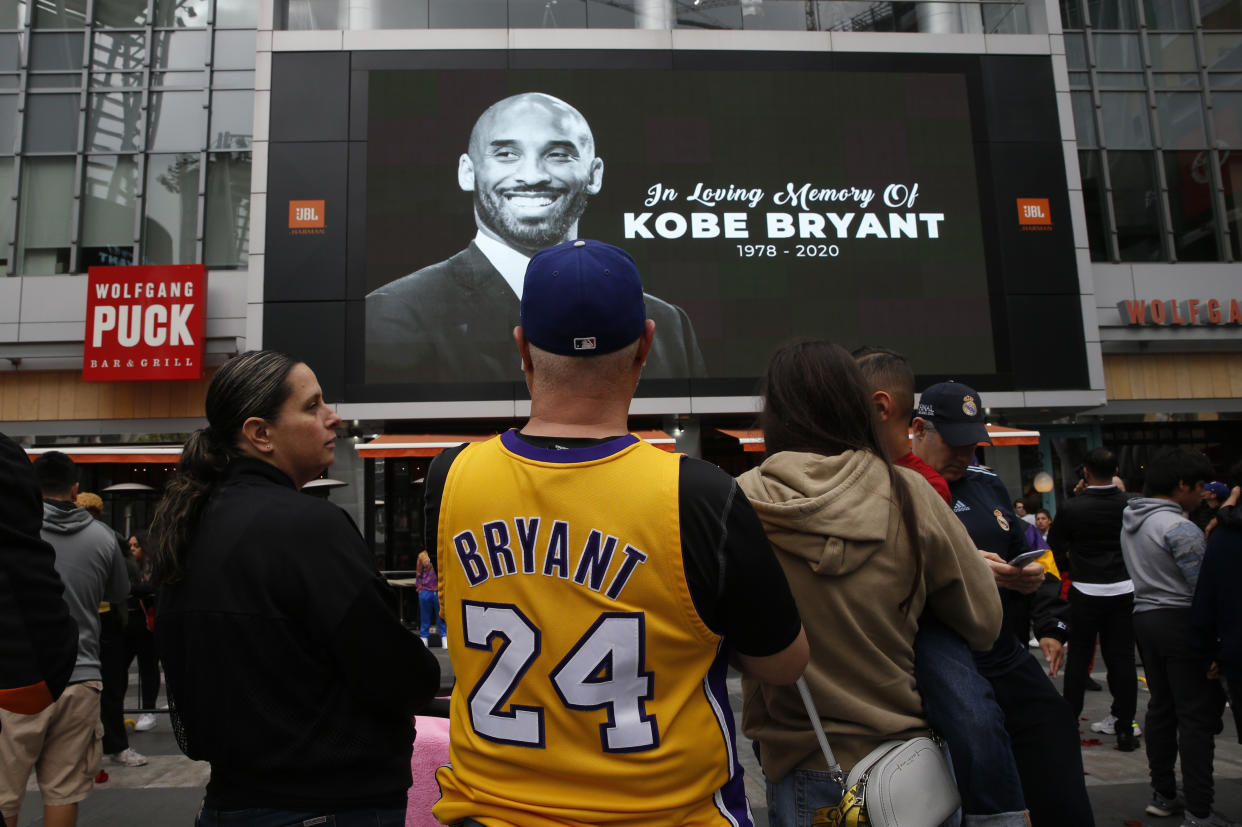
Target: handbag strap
<point>834,768</point>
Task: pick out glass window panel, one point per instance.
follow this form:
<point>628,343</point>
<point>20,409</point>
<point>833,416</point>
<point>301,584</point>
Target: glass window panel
<point>1004,18</point>
<point>6,207</point>
<point>121,13</point>
<point>831,15</point>
<point>1125,120</point>
<point>1221,14</point>
<point>179,50</point>
<point>1075,51</point>
<point>1084,118</point>
<point>1231,174</point>
<point>604,14</point>
<point>8,129</point>
<point>1135,200</point>
<point>1227,116</point>
<point>1185,80</point>
<point>12,14</point>
<point>46,214</point>
<point>232,80</point>
<point>1080,80</point>
<point>232,120</point>
<point>1168,14</point>
<point>10,52</point>
<point>109,201</point>
<point>390,14</point>
<point>170,225</point>
<point>1071,14</point>
<point>234,50</point>
<point>1190,205</point>
<point>115,80</point>
<point>1223,52</point>
<point>177,120</point>
<point>540,14</point>
<point>241,13</point>
<point>179,80</point>
<point>1220,80</point>
<point>181,14</point>
<point>118,51</point>
<point>1112,14</point>
<point>1118,53</point>
<point>9,82</point>
<point>306,15</point>
<point>1093,200</point>
<point>479,14</point>
<point>1172,52</point>
<point>1180,115</point>
<point>1120,80</point>
<point>61,14</point>
<point>780,17</point>
<point>226,235</point>
<point>55,81</point>
<point>114,122</point>
<point>55,51</point>
<point>51,123</point>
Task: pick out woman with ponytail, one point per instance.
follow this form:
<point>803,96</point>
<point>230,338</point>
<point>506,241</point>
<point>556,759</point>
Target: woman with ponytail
<point>865,546</point>
<point>286,665</point>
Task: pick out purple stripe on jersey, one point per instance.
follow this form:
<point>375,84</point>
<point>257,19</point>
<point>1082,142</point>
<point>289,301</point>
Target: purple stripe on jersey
<point>517,445</point>
<point>733,794</point>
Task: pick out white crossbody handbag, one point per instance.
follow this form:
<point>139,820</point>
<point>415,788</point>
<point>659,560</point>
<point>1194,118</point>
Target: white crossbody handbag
<point>899,784</point>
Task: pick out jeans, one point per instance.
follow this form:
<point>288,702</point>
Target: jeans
<point>113,669</point>
<point>961,708</point>
<point>1183,711</point>
<point>1112,618</point>
<point>1044,734</point>
<point>264,817</point>
<point>429,608</point>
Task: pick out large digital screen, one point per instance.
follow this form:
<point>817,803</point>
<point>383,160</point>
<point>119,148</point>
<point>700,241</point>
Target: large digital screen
<point>864,200</point>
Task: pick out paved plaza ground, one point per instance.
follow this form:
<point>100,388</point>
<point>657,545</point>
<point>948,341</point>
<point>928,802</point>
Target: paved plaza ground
<point>167,792</point>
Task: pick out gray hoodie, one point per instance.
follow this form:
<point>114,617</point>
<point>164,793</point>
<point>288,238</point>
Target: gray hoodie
<point>1163,551</point>
<point>89,561</point>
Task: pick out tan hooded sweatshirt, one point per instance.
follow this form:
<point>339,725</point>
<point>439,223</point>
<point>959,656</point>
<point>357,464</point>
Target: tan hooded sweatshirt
<point>840,539</point>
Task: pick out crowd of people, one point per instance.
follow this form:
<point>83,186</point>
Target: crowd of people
<point>593,592</point>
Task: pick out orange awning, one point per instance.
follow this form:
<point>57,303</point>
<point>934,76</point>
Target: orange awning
<point>149,454</point>
<point>413,445</point>
<point>752,438</point>
<point>428,445</point>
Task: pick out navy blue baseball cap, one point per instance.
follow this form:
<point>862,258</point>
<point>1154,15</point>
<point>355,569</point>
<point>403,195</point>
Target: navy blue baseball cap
<point>1218,488</point>
<point>582,298</point>
<point>956,411</point>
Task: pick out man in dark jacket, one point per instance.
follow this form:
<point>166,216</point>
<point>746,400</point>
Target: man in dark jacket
<point>948,425</point>
<point>1087,535</point>
<point>38,638</point>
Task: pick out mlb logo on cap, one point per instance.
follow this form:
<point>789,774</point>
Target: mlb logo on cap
<point>582,298</point>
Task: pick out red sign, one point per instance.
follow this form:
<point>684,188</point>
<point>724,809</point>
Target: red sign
<point>145,323</point>
<point>1184,312</point>
<point>1034,212</point>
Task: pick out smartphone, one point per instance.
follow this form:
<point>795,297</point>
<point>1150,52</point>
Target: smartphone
<point>1027,557</point>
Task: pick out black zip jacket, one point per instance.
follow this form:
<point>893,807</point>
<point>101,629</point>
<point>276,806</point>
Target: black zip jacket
<point>38,638</point>
<point>287,667</point>
<point>1087,535</point>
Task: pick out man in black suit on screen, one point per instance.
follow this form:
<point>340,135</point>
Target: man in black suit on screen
<point>532,167</point>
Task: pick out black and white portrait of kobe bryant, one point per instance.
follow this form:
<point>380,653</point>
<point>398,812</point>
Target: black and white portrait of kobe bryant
<point>532,168</point>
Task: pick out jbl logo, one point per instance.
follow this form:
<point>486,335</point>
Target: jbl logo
<point>1034,211</point>
<point>305,214</point>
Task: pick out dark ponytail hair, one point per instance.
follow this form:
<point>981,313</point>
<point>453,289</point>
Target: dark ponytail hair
<point>252,384</point>
<point>816,401</point>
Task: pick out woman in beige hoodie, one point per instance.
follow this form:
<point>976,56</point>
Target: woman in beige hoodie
<point>865,546</point>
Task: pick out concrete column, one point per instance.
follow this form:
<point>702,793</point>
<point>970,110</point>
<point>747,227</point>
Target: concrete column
<point>949,18</point>
<point>361,15</point>
<point>654,14</point>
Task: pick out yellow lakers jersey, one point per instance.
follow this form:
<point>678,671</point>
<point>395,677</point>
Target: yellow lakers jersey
<point>588,690</point>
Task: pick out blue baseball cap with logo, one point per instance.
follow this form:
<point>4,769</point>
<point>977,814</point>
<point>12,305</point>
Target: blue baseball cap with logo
<point>582,298</point>
<point>956,411</point>
<point>1218,488</point>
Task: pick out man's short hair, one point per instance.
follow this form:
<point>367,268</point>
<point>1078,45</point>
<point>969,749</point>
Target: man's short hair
<point>1045,512</point>
<point>1102,463</point>
<point>1176,465</point>
<point>56,474</point>
<point>887,370</point>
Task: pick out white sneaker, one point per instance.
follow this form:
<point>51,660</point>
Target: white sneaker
<point>1108,726</point>
<point>145,722</point>
<point>128,758</point>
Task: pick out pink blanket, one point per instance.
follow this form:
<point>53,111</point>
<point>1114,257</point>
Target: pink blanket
<point>431,751</point>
